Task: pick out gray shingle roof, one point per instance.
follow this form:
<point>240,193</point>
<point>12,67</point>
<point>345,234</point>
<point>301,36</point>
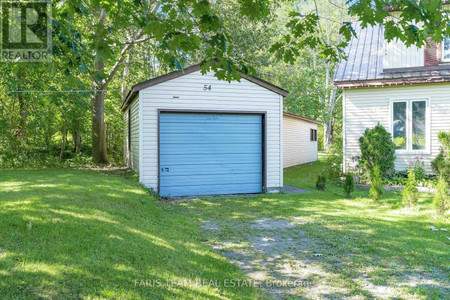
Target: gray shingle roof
<point>364,66</point>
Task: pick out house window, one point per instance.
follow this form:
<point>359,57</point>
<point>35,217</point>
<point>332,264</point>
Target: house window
<point>399,125</point>
<point>446,49</point>
<point>313,135</point>
<point>409,125</point>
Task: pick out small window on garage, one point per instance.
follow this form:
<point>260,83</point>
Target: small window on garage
<point>313,135</point>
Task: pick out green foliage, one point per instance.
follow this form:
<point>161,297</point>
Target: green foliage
<point>410,193</point>
<point>378,149</point>
<point>441,164</point>
<point>334,163</point>
<point>430,14</point>
<point>321,182</point>
<point>400,141</point>
<point>441,198</point>
<point>376,189</point>
<point>418,167</point>
<point>349,185</point>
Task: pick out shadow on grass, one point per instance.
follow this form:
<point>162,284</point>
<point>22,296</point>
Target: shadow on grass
<point>357,237</point>
<point>96,235</point>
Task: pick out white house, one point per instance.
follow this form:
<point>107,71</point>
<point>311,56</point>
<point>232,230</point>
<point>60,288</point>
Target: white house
<point>407,90</point>
<point>192,134</point>
<point>299,140</point>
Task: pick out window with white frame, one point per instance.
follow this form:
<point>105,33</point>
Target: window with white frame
<point>446,49</point>
<point>409,125</point>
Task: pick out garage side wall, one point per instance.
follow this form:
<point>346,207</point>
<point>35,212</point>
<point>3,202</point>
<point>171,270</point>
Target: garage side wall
<point>297,145</point>
<point>131,148</point>
<point>196,92</point>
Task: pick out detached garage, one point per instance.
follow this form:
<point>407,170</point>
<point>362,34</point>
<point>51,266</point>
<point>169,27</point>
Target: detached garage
<point>191,134</point>
<point>299,140</point>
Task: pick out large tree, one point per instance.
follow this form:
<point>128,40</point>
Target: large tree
<point>103,33</point>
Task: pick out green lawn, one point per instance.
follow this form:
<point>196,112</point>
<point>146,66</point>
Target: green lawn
<point>93,235</point>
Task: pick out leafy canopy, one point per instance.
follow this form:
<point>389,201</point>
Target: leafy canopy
<point>181,29</point>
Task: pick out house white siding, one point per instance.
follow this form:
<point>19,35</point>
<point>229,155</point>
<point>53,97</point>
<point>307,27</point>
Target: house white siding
<point>131,156</point>
<point>398,55</point>
<point>365,107</point>
<point>297,145</point>
<point>191,93</point>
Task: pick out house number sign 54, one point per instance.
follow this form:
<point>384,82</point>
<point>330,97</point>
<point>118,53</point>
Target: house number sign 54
<point>207,87</point>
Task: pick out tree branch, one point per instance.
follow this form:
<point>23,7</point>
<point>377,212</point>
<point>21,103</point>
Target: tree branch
<point>129,45</point>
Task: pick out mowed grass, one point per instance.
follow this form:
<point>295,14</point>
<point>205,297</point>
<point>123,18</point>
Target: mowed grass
<point>370,249</point>
<point>93,235</point>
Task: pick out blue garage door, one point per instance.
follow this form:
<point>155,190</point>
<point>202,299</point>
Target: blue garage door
<point>207,154</point>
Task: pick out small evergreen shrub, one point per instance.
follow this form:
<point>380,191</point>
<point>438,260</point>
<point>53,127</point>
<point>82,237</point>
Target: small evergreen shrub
<point>377,148</point>
<point>441,164</point>
<point>376,190</point>
<point>349,185</point>
<point>321,182</point>
<point>333,169</point>
<point>419,168</point>
<point>410,193</point>
<point>440,200</point>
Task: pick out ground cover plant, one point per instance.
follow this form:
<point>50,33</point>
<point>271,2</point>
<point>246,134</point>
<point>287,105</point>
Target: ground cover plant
<point>85,234</point>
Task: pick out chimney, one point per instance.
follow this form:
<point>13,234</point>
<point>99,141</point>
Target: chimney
<point>433,53</point>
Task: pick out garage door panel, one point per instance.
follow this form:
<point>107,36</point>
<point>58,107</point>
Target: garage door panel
<point>219,189</point>
<point>219,148</point>
<point>207,138</point>
<point>202,154</point>
<point>208,169</point>
<point>199,128</point>
<point>209,118</point>
<point>194,159</point>
<point>208,179</point>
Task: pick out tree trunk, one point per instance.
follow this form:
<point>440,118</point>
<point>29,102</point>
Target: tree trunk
<point>99,152</point>
<point>329,124</point>
<point>63,142</point>
<point>76,136</point>
<point>23,112</point>
<point>126,71</point>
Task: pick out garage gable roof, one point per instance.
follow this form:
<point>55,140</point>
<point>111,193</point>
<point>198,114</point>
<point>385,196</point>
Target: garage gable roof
<point>301,118</point>
<point>194,68</point>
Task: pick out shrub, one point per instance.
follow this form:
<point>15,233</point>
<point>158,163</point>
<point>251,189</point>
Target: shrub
<point>377,148</point>
<point>441,164</point>
<point>321,182</point>
<point>440,200</point>
<point>418,168</point>
<point>333,168</point>
<point>349,185</point>
<point>376,190</point>
<point>410,194</point>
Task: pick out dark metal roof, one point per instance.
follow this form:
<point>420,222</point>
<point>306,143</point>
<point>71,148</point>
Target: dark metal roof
<point>194,68</point>
<point>364,66</point>
<point>301,118</point>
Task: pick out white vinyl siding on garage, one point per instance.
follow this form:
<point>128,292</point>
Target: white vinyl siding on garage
<point>297,145</point>
<point>131,158</point>
<point>365,107</point>
<point>191,93</point>
<point>125,138</point>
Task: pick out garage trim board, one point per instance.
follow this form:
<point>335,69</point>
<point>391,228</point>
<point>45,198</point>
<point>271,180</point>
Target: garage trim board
<point>263,115</point>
